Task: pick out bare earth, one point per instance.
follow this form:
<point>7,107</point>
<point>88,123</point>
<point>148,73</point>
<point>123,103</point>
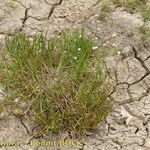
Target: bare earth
<point>128,126</point>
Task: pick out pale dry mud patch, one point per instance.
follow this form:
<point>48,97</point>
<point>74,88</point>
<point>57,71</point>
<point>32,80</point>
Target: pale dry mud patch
<point>128,126</point>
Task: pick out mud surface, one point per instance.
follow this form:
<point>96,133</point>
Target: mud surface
<point>128,126</point>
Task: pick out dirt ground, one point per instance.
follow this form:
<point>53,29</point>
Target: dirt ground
<point>128,126</point>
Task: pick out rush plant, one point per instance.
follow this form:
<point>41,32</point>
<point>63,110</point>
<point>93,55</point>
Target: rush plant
<point>57,83</point>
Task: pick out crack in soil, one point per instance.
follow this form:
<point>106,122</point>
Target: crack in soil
<point>21,4</point>
<point>135,55</point>
<point>141,61</point>
<point>25,18</point>
<point>21,120</point>
<point>96,3</point>
<point>53,8</point>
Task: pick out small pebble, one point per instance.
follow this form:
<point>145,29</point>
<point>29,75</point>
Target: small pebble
<point>114,35</point>
<point>96,38</point>
<point>115,45</point>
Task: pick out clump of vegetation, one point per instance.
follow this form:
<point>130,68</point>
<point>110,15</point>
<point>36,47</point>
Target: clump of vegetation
<point>145,11</point>
<point>104,11</point>
<point>131,6</point>
<point>58,83</point>
<point>134,6</point>
<point>145,32</point>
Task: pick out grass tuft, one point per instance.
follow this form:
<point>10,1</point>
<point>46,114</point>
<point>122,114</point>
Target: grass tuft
<point>104,11</point>
<point>145,32</point>
<point>58,83</point>
<point>132,6</point>
<point>145,11</point>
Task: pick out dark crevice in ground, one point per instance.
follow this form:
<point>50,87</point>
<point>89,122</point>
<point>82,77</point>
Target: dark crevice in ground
<point>147,58</point>
<point>37,18</point>
<point>6,34</point>
<point>143,65</point>
<point>53,8</point>
<point>97,3</point>
<point>141,61</point>
<point>21,4</point>
<point>47,2</point>
<point>24,126</point>
<point>25,18</point>
<point>33,28</point>
<point>145,95</point>
<point>50,13</point>
<point>21,120</point>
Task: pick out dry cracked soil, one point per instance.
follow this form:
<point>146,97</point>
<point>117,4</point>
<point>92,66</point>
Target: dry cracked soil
<point>128,126</point>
